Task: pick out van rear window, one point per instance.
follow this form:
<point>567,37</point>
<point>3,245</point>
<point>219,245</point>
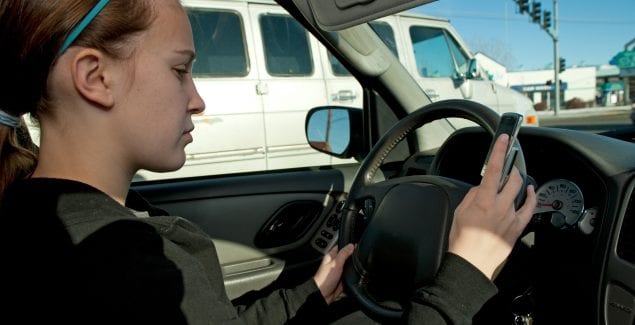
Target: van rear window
<point>286,45</point>
<point>385,33</point>
<point>220,43</point>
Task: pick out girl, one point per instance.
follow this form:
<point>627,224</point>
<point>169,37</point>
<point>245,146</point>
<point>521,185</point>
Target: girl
<point>110,83</point>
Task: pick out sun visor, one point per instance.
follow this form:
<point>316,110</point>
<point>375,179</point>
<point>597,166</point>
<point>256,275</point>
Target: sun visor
<point>333,15</point>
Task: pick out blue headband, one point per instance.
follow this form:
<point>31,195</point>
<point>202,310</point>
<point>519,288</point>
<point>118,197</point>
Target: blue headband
<point>82,25</point>
<point>8,119</point>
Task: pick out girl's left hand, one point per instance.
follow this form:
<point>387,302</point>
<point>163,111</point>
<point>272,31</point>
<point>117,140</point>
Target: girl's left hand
<point>329,274</point>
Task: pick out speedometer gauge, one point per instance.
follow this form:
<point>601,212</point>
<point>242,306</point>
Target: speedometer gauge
<point>563,199</point>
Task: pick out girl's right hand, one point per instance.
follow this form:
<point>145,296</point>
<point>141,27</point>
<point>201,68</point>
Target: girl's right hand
<point>486,225</point>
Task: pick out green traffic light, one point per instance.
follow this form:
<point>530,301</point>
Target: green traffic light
<point>562,65</point>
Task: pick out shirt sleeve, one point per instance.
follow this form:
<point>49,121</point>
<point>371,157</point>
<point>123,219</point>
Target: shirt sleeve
<point>457,294</point>
<point>302,304</point>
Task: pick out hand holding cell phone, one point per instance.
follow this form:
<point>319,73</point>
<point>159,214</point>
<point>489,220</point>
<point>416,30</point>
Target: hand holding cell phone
<point>509,124</point>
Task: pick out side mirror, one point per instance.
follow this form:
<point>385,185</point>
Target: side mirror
<point>472,72</point>
<point>472,69</point>
<point>335,130</point>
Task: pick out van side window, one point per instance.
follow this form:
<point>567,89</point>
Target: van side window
<point>220,43</point>
<point>432,52</point>
<point>337,67</point>
<point>385,33</point>
<point>286,46</point>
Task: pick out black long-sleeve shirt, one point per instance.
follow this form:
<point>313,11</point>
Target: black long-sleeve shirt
<point>74,254</point>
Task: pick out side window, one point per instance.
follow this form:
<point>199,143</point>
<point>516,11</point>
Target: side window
<point>386,34</point>
<point>459,56</point>
<point>286,46</point>
<point>431,51</point>
<point>220,43</point>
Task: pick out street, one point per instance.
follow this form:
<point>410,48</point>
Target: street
<point>593,120</point>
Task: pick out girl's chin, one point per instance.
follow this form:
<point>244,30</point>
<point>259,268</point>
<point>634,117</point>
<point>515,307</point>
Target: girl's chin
<point>168,166</point>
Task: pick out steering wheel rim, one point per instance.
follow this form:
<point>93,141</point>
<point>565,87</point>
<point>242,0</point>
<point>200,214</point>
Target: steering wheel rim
<point>446,193</point>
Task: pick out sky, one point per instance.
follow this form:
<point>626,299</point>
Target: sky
<point>590,32</point>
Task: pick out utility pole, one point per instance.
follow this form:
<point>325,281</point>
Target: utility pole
<point>558,63</point>
<point>556,58</point>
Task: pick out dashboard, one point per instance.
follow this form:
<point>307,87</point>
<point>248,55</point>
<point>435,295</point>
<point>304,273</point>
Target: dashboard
<point>567,260</point>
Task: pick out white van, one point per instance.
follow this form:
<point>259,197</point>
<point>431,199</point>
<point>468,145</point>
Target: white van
<point>260,71</point>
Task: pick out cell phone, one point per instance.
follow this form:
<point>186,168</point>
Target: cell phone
<point>509,124</point>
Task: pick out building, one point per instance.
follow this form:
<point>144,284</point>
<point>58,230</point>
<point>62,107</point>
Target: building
<point>604,85</point>
<point>611,87</point>
<point>625,61</point>
<point>494,70</point>
<point>577,86</point>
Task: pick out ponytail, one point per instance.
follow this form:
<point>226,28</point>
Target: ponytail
<point>18,155</point>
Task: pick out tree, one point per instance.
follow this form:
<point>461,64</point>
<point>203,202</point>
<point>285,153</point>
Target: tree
<point>495,49</point>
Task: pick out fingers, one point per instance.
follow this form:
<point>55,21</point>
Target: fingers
<point>527,210</point>
<point>336,257</point>
<point>513,185</point>
<point>344,253</point>
<point>495,163</point>
<point>327,278</point>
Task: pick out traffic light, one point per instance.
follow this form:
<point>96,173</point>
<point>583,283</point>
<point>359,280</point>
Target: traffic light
<point>563,65</point>
<point>535,12</point>
<point>523,6</point>
<point>546,19</point>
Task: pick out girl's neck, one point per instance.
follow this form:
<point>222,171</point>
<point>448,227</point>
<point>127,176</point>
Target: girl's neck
<point>101,175</point>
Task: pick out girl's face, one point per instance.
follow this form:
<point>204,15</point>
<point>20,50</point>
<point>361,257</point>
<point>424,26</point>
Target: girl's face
<point>159,98</point>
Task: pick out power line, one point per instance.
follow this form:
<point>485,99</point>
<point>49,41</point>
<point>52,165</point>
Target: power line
<point>488,16</point>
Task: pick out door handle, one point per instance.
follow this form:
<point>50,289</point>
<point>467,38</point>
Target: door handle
<point>288,224</point>
<point>262,88</point>
<point>344,95</point>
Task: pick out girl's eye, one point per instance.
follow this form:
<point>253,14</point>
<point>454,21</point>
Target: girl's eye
<point>181,72</point>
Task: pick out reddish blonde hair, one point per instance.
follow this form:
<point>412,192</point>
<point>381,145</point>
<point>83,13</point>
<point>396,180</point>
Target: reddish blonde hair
<point>31,34</point>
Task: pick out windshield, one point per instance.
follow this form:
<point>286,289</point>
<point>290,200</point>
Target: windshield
<point>543,50</point>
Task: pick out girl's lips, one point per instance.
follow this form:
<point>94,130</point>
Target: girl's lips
<point>187,135</point>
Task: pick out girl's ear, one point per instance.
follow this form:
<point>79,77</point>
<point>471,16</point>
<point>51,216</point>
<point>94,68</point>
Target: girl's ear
<point>91,78</point>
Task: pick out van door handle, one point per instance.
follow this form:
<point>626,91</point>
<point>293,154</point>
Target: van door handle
<point>344,95</point>
<point>262,88</point>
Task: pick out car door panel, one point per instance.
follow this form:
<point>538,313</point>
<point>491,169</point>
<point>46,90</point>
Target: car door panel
<point>234,210</point>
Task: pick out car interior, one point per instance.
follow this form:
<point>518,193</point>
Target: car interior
<point>575,263</point>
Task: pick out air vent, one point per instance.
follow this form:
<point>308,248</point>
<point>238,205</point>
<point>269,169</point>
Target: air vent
<point>626,241</point>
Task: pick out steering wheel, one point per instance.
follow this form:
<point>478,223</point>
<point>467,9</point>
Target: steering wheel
<point>401,226</point>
